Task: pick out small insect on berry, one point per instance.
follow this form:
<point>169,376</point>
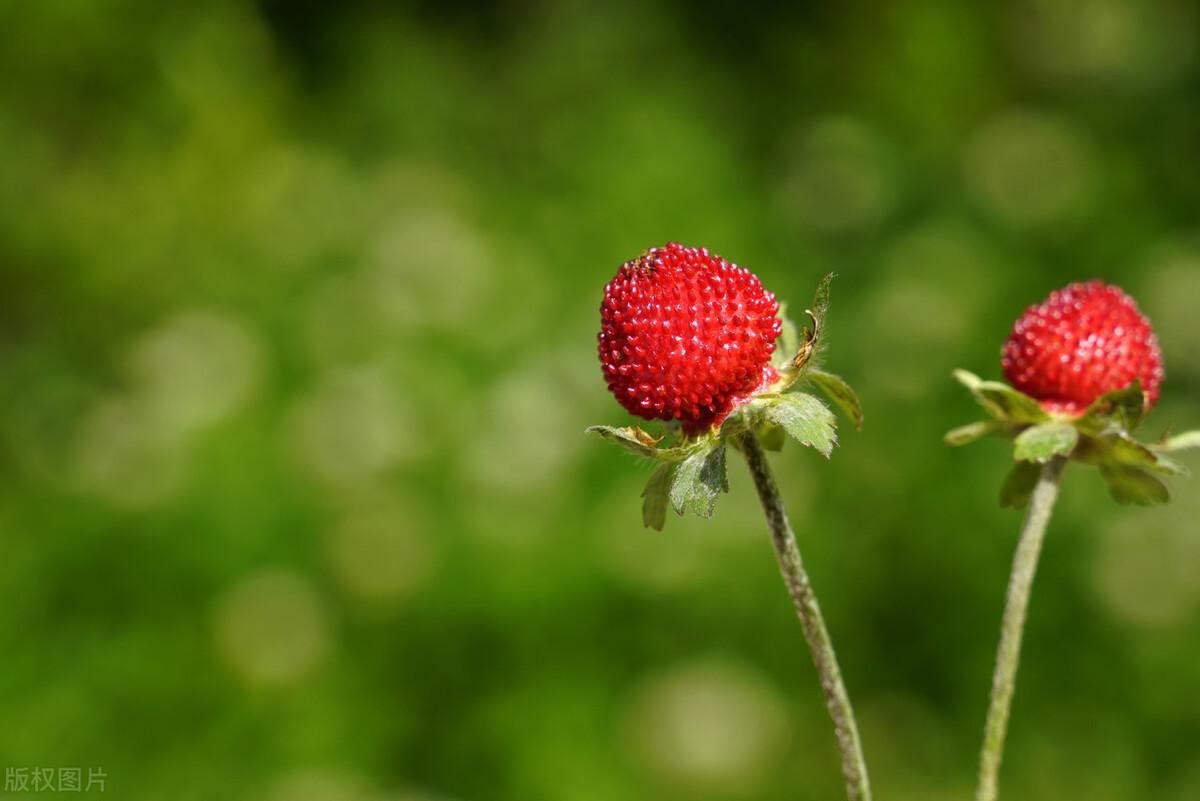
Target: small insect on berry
<point>1081,342</point>
<point>686,335</point>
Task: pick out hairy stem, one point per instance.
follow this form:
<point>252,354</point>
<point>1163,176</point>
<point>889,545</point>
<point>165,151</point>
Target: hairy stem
<point>1008,654</point>
<point>854,767</point>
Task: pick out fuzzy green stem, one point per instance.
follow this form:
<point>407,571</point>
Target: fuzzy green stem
<point>1008,655</point>
<point>854,767</point>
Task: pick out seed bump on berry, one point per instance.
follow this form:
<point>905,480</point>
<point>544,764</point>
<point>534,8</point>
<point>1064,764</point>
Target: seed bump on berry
<point>686,335</point>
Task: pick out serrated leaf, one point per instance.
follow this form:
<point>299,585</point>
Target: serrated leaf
<point>1123,408</point>
<point>789,340</point>
<point>1121,449</point>
<point>1002,401</point>
<point>1179,442</point>
<point>805,419</point>
<point>639,443</point>
<point>656,495</point>
<point>1132,485</point>
<point>810,339</point>
<point>965,435</point>
<point>1019,484</point>
<point>698,480</point>
<point>1124,449</point>
<point>1043,442</point>
<point>820,304</point>
<point>838,391</point>
<point>1006,403</point>
<point>771,435</point>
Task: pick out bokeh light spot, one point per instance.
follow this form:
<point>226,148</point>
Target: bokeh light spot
<point>709,724</point>
<point>271,629</point>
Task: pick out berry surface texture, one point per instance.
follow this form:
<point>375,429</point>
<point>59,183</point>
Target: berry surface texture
<point>686,335</point>
<point>1081,342</point>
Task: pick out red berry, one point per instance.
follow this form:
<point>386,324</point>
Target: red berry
<point>1081,342</point>
<point>687,336</point>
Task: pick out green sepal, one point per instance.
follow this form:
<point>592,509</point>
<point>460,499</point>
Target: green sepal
<point>1121,410</point>
<point>1132,485</point>
<point>1178,442</point>
<point>640,443</point>
<point>820,304</point>
<point>838,391</point>
<point>1101,436</point>
<point>1119,448</point>
<point>699,479</point>
<point>965,435</point>
<point>1018,485</point>
<point>656,495</point>
<point>801,349</point>
<point>1002,401</point>
<point>771,435</point>
<point>805,419</point>
<point>1044,441</point>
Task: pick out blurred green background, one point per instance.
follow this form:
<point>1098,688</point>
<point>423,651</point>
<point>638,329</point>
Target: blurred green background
<point>297,347</point>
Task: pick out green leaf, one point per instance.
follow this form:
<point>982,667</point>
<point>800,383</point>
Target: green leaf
<point>1018,486</point>
<point>1120,448</point>
<point>639,443</point>
<point>820,304</point>
<point>1131,485</point>
<point>1167,466</point>
<point>838,391</point>
<point>967,379</point>
<point>771,435</point>
<point>699,479</point>
<point>1042,442</point>
<point>965,435</point>
<point>1179,442</point>
<point>1009,404</point>
<point>1123,408</point>
<point>1002,401</point>
<point>805,419</point>
<point>656,495</point>
<point>810,339</point>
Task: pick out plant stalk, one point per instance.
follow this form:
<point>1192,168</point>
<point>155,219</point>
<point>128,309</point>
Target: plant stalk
<point>854,767</point>
<point>1012,626</point>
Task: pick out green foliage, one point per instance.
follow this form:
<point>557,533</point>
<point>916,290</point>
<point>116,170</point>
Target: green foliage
<point>838,391</point>
<point>1102,436</point>
<point>1042,442</point>
<point>1122,410</point>
<point>806,420</point>
<point>640,443</point>
<point>1179,442</point>
<point>699,479</point>
<point>971,432</point>
<point>771,435</point>
<point>1002,401</point>
<point>1132,485</point>
<point>1018,485</point>
<point>655,496</point>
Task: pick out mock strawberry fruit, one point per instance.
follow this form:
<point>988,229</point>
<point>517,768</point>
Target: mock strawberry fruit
<point>1081,342</point>
<point>685,335</point>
